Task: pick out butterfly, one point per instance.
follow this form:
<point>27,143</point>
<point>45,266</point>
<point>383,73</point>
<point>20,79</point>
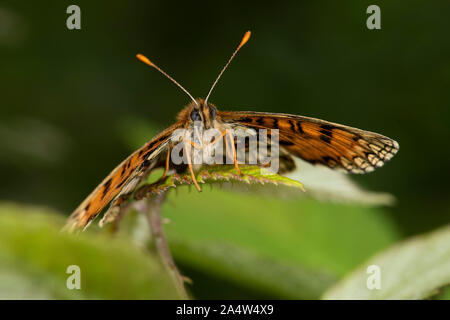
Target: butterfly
<point>313,140</point>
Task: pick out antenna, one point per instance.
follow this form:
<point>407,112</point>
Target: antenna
<point>243,41</point>
<point>145,60</point>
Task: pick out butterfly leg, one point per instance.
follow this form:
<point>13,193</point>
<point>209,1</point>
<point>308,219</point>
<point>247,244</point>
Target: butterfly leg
<point>195,145</point>
<point>167,166</point>
<point>166,169</point>
<point>230,135</point>
<point>224,132</point>
<point>217,139</point>
<point>188,157</point>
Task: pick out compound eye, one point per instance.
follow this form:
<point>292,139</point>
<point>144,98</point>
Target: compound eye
<point>195,115</point>
<point>212,112</point>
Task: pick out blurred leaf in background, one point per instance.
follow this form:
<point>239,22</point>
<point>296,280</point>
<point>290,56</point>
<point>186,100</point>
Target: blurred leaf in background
<point>35,255</point>
<point>414,269</point>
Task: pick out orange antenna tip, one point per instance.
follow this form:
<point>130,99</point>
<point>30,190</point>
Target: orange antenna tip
<point>245,39</point>
<point>144,59</point>
<point>147,61</point>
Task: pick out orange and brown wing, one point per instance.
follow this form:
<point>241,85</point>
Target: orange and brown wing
<point>322,142</point>
<point>137,163</point>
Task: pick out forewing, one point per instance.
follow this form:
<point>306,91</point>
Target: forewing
<point>322,142</point>
<point>125,175</point>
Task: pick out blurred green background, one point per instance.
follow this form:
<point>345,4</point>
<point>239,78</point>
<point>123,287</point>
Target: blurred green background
<point>75,103</point>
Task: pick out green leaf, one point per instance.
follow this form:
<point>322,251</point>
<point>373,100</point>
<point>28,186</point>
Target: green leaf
<point>250,175</point>
<point>414,269</point>
<point>34,256</point>
<point>252,269</point>
<point>283,248</point>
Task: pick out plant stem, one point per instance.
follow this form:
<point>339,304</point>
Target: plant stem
<point>153,214</point>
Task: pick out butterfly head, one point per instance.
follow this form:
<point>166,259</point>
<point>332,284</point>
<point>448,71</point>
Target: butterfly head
<point>201,112</point>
